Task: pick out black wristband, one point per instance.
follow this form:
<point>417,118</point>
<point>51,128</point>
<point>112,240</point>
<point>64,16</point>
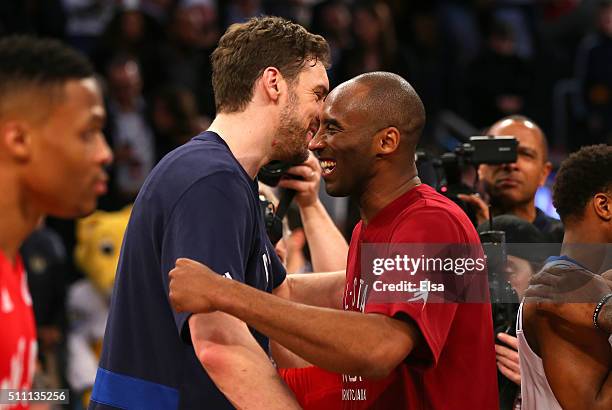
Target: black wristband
<point>598,308</point>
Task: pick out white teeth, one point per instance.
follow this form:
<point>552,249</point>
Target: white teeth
<point>328,166</point>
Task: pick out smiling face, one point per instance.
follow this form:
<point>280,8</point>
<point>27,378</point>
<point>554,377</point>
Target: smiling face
<point>64,171</point>
<point>344,142</point>
<point>515,184</point>
<point>299,118</point>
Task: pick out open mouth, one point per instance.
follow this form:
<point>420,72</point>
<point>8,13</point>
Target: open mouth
<point>328,166</point>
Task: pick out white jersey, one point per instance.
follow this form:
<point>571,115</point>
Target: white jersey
<point>536,393</point>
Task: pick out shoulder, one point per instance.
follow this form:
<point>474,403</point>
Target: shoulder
<point>435,218</point>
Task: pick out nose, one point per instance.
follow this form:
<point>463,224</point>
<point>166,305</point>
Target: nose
<point>513,166</point>
<point>317,142</point>
<point>105,154</point>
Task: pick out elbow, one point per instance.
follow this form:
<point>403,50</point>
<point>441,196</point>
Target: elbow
<point>378,362</point>
<point>215,358</point>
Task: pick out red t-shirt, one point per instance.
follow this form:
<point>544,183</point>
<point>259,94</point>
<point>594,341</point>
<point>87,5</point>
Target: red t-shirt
<point>18,330</point>
<point>456,369</point>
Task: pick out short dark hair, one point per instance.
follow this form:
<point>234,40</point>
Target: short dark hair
<point>582,175</point>
<point>30,62</point>
<point>246,49</point>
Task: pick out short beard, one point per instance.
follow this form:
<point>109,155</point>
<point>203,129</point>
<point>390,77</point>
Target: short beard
<point>291,135</point>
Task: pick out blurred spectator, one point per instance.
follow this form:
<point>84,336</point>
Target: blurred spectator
<point>498,80</point>
<point>192,35</point>
<point>175,119</point>
<point>594,71</point>
<point>429,67</point>
<point>376,47</point>
<point>44,258</point>
<point>129,132</point>
<point>157,9</point>
<point>332,20</point>
<point>86,20</point>
<point>132,33</point>
<point>238,11</point>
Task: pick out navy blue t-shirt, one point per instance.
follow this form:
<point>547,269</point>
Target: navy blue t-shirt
<point>197,203</point>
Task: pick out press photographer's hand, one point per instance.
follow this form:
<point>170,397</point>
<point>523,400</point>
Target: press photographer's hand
<point>478,204</point>
<point>308,187</point>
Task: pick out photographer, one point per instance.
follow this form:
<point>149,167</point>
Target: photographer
<point>511,188</point>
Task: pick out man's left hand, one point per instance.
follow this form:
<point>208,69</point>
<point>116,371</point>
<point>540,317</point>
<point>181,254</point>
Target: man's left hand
<point>193,287</point>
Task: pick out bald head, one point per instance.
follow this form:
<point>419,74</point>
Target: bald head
<point>386,99</point>
<point>511,125</point>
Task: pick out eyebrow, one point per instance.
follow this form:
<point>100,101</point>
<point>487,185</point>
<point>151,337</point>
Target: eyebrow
<point>528,150</point>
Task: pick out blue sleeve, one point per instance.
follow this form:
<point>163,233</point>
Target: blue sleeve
<point>278,270</point>
<point>212,223</point>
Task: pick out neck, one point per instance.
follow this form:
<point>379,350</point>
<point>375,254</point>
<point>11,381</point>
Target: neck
<point>376,196</point>
<point>247,137</point>
<point>18,217</point>
<point>525,211</point>
<point>585,245</point>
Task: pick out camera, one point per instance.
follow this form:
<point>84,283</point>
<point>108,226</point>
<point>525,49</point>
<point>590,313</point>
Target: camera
<point>504,300</point>
<point>450,168</point>
<point>271,174</point>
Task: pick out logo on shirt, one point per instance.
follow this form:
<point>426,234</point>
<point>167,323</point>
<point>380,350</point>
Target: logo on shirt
<point>7,302</point>
<point>355,295</point>
<point>266,263</point>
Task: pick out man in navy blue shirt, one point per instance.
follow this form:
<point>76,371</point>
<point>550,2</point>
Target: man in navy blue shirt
<point>201,202</point>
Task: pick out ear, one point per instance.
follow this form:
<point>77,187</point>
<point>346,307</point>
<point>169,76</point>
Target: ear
<point>602,204</point>
<point>272,83</point>
<point>15,138</point>
<point>387,141</point>
<point>545,173</point>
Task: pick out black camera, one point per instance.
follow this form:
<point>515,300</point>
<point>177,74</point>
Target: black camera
<point>504,300</point>
<point>450,167</point>
<point>271,174</point>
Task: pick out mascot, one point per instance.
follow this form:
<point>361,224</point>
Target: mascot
<point>99,239</point>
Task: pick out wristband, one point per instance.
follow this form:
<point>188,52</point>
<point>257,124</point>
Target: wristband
<point>598,308</point>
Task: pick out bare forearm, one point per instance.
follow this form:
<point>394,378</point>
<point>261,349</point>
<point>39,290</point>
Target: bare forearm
<point>248,380</point>
<point>348,342</point>
<point>317,289</point>
<point>237,364</point>
<point>285,358</point>
<point>328,248</point>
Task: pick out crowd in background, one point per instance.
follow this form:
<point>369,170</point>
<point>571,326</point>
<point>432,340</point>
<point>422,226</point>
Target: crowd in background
<point>471,61</point>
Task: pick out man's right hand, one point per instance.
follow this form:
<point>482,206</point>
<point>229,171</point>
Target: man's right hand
<point>568,292</point>
<point>308,187</point>
<point>478,204</point>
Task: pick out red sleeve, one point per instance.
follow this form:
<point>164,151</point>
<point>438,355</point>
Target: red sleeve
<point>434,320</point>
<point>314,388</point>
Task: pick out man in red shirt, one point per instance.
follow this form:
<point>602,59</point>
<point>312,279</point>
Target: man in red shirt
<point>414,352</point>
<point>52,154</point>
